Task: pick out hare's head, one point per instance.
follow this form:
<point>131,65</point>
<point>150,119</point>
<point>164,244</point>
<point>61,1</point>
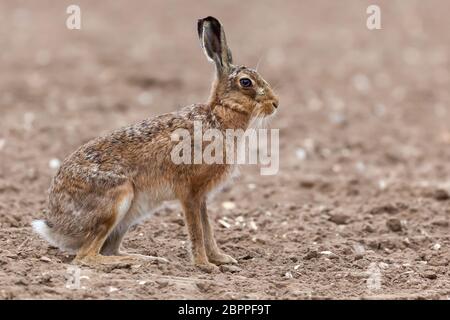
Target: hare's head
<point>241,88</point>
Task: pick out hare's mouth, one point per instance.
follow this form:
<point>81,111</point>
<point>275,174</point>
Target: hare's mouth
<point>265,110</point>
<point>269,109</point>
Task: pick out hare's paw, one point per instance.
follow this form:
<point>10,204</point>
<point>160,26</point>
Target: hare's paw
<point>144,257</point>
<point>221,258</point>
<point>103,260</point>
<point>207,267</point>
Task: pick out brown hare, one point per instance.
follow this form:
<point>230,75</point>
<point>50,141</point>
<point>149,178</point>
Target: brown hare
<point>113,182</point>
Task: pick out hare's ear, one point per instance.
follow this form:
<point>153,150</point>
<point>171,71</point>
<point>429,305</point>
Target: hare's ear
<point>214,43</point>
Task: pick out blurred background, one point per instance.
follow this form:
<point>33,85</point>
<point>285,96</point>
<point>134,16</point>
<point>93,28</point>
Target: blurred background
<point>364,126</point>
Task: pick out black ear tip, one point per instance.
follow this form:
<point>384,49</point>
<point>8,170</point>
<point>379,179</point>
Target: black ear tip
<point>200,27</point>
<point>213,21</point>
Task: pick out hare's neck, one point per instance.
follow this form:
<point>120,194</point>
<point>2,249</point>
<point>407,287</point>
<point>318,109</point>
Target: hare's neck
<point>231,115</point>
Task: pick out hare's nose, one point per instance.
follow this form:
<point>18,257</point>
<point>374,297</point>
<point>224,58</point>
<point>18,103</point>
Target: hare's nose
<point>275,104</point>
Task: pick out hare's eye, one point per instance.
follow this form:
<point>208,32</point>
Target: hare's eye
<point>245,82</point>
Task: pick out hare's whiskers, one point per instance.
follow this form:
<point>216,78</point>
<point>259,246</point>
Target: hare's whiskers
<point>259,61</point>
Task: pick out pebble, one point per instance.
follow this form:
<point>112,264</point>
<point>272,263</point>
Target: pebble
<point>382,184</point>
<point>329,254</point>
<point>394,225</point>
<point>45,259</point>
<point>289,275</point>
<point>228,205</point>
<point>430,275</point>
<point>223,223</point>
<point>203,286</point>
<point>440,223</point>
<point>436,246</point>
<point>388,208</point>
<point>300,153</point>
<point>311,254</point>
<point>359,248</point>
<point>307,184</point>
<point>162,283</point>
<point>54,163</point>
<point>253,225</point>
<point>339,218</point>
<point>441,195</point>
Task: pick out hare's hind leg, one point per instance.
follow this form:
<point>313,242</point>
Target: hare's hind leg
<point>214,254</point>
<point>112,245</point>
<point>120,199</point>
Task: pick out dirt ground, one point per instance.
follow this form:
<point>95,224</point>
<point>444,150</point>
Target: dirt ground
<point>360,206</point>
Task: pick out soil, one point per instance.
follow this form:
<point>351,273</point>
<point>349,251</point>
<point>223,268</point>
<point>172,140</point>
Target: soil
<point>360,207</point>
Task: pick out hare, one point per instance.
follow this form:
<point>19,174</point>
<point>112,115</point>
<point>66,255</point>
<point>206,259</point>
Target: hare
<point>113,182</point>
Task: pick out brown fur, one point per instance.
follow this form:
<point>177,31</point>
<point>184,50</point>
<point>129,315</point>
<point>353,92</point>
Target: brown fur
<point>111,183</point>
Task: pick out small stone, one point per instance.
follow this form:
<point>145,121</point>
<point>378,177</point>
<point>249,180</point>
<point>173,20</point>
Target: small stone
<point>436,246</point>
<point>382,184</point>
<point>203,286</point>
<point>359,248</point>
<point>440,223</point>
<point>430,275</point>
<point>339,218</point>
<point>112,289</point>
<point>301,154</point>
<point>162,283</point>
<point>307,184</point>
<point>45,259</point>
<point>311,254</point>
<point>228,205</point>
<point>358,256</point>
<point>179,221</point>
<point>388,208</point>
<point>406,242</point>
<point>441,195</point>
<point>394,225</point>
<point>224,224</point>
<point>329,254</point>
<point>54,163</point>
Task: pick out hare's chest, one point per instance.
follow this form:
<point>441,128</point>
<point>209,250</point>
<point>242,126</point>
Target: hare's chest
<point>147,202</point>
<point>223,181</point>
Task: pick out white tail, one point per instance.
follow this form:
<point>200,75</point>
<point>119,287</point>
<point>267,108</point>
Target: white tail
<point>63,242</point>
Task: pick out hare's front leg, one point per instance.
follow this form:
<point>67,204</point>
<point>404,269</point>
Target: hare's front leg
<point>212,250</point>
<point>192,214</point>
